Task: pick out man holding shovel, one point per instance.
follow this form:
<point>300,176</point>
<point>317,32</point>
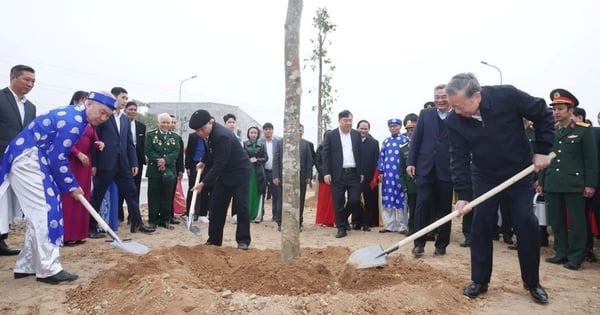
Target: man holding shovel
<point>36,166</point>
<point>487,146</point>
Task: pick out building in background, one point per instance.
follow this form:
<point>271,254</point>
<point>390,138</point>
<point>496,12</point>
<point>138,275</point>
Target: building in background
<point>244,121</point>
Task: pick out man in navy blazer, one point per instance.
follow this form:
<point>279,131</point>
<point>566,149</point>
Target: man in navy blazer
<point>138,132</point>
<point>341,166</point>
<point>17,111</point>
<point>429,163</point>
<point>274,148</point>
<point>117,162</point>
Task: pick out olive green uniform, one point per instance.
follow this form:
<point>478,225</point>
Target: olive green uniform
<point>574,168</point>
<point>409,186</point>
<point>161,184</point>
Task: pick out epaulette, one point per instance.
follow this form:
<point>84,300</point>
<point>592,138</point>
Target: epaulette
<point>582,124</point>
<point>403,145</point>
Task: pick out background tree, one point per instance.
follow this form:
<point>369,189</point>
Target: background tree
<point>320,62</point>
<point>290,233</point>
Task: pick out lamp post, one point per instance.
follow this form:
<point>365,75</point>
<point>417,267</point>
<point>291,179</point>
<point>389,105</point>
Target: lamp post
<point>489,65</point>
<point>179,102</point>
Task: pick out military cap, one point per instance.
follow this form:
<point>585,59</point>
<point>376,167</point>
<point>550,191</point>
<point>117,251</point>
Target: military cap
<point>410,117</point>
<point>562,96</point>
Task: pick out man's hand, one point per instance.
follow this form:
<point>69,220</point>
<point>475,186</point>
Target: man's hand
<point>410,170</point>
<point>460,207</point>
<point>200,166</point>
<point>93,171</point>
<point>134,171</point>
<point>588,192</point>
<point>76,192</point>
<point>327,179</point>
<point>540,161</point>
<point>198,187</point>
<point>85,161</point>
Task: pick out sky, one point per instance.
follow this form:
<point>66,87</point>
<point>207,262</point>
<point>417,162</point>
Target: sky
<point>389,55</point>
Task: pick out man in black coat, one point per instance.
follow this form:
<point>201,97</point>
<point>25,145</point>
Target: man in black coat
<point>229,177</point>
<point>341,166</point>
<point>487,146</point>
<point>16,112</point>
<point>369,154</point>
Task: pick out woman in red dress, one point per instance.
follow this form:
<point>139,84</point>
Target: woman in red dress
<point>76,219</point>
<point>325,213</point>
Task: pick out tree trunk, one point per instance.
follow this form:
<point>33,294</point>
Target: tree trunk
<point>290,232</point>
<point>320,124</point>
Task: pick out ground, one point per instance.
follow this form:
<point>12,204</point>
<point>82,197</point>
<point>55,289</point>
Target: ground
<point>181,276</point>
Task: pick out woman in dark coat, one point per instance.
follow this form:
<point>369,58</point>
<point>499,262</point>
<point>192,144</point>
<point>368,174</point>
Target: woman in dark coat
<point>258,185</point>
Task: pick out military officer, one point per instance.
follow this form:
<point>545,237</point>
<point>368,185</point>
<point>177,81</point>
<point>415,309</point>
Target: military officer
<point>162,148</point>
<point>571,177</point>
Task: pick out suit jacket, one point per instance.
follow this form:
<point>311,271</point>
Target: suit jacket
<point>497,148</point>
<point>190,151</point>
<point>230,162</point>
<point>10,119</point>
<point>369,155</point>
<point>277,150</point>
<point>430,146</point>
<point>119,150</point>
<point>140,134</point>
<point>159,146</point>
<point>306,160</point>
<point>333,158</point>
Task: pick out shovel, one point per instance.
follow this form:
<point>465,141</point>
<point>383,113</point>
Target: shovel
<point>375,256</point>
<point>129,246</point>
<point>190,219</point>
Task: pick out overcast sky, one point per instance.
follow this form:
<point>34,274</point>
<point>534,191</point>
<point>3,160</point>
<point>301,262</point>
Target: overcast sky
<point>389,54</point>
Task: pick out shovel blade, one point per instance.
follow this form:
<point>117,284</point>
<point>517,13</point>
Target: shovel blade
<point>132,247</point>
<point>368,257</point>
<point>195,230</point>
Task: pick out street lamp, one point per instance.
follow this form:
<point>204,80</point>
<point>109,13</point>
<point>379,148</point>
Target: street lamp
<point>179,102</point>
<point>489,65</point>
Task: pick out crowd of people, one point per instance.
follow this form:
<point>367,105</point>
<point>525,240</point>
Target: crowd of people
<point>464,143</point>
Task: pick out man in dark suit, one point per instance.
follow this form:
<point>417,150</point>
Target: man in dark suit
<point>229,177</point>
<point>369,154</point>
<point>429,163</point>
<point>274,146</point>
<point>117,162</point>
<point>487,146</point>
<point>17,111</point>
<point>306,165</point>
<point>341,166</point>
<point>138,132</point>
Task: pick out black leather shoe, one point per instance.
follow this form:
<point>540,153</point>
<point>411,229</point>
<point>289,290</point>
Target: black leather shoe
<point>174,221</point>
<point>418,251</point>
<point>95,234</point>
<point>538,294</point>
<point>366,229</point>
<point>145,229</point>
<point>62,276</point>
<point>341,233</point>
<point>21,275</point>
<point>474,289</point>
<point>507,239</point>
<point>466,243</point>
<point>243,246</point>
<point>385,231</point>
<point>572,265</point>
<point>356,227</point>
<point>6,251</point>
<point>440,252</point>
<point>556,260</point>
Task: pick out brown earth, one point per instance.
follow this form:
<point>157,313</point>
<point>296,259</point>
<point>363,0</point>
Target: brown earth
<point>181,276</point>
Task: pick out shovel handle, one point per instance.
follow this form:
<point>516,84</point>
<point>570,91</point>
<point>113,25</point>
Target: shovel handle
<point>192,209</point>
<point>98,218</point>
<point>471,205</point>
